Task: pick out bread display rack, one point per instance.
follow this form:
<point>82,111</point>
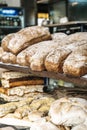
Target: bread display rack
<point>80,81</point>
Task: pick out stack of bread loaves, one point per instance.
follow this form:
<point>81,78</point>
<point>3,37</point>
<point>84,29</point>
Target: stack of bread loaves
<point>37,48</point>
<point>17,86</point>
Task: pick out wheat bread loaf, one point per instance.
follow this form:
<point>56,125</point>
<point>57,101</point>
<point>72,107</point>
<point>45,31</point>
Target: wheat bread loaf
<point>27,37</point>
<point>55,59</point>
<point>8,57</point>
<point>68,111</point>
<point>76,63</point>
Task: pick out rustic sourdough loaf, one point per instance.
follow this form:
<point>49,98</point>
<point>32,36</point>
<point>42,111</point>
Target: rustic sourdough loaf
<point>5,41</point>
<point>55,59</point>
<point>76,63</point>
<point>8,57</point>
<point>68,111</point>
<point>27,37</point>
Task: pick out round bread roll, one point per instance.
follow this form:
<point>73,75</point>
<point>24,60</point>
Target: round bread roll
<point>80,127</point>
<point>44,126</point>
<point>68,111</point>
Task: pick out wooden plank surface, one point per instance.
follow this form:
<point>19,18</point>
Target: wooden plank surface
<point>81,81</point>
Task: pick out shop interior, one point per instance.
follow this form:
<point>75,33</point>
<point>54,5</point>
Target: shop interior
<point>66,17</point>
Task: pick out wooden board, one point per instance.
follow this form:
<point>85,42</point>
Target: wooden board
<point>80,81</point>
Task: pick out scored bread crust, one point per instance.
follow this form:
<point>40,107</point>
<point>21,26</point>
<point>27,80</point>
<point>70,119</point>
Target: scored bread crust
<point>55,59</point>
<point>76,63</point>
<point>23,58</point>
<point>75,37</point>
<point>8,57</point>
<point>27,37</point>
<point>5,41</point>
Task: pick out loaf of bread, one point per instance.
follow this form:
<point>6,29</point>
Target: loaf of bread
<point>37,60</point>
<point>76,62</point>
<point>14,79</point>
<point>80,127</point>
<point>12,98</point>
<point>58,36</point>
<point>8,57</point>
<point>1,52</point>
<point>68,111</point>
<point>5,41</point>
<point>31,50</point>
<point>27,37</point>
<point>21,90</point>
<point>27,53</point>
<point>75,37</point>
<point>55,59</point>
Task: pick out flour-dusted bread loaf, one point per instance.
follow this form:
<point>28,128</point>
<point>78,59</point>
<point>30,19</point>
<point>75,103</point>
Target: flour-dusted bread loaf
<point>58,36</point>
<point>27,37</point>
<point>37,60</point>
<point>55,59</point>
<point>80,127</point>
<point>5,41</point>
<point>75,37</point>
<point>76,62</point>
<point>68,111</point>
<point>1,52</point>
<point>31,50</point>
<point>8,57</point>
<point>20,91</point>
<point>27,54</point>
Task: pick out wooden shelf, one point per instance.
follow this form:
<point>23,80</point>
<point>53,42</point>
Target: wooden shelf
<point>80,81</point>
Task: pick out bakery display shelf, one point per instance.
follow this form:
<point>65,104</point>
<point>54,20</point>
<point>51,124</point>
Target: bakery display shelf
<point>79,81</point>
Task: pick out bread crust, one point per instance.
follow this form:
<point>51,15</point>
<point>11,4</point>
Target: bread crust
<point>76,63</point>
<point>55,59</point>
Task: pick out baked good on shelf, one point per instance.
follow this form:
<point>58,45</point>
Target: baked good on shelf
<point>14,79</point>
<point>27,37</point>
<point>13,98</point>
<point>37,60</point>
<point>21,90</point>
<point>68,111</point>
<point>28,52</point>
<point>58,36</point>
<point>12,106</point>
<point>80,127</point>
<point>76,62</point>
<point>32,110</point>
<point>75,37</point>
<point>7,108</point>
<point>1,52</point>
<point>5,41</point>
<point>55,59</point>
<point>8,57</point>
